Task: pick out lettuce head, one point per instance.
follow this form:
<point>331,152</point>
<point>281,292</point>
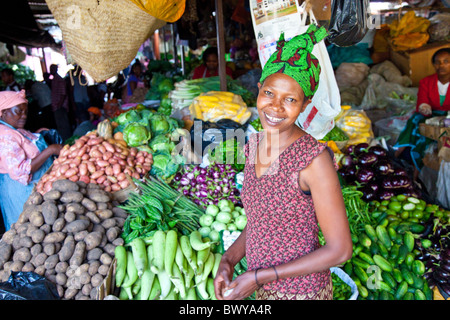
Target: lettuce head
<point>136,134</point>
<point>127,117</point>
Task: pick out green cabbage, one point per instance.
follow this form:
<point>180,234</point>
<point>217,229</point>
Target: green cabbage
<point>165,165</point>
<point>159,124</point>
<point>127,117</point>
<point>162,142</point>
<point>136,134</point>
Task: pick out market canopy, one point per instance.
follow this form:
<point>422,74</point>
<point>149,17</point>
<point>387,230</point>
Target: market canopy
<point>19,26</point>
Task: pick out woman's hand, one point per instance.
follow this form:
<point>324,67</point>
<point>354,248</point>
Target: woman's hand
<point>223,277</point>
<point>425,109</point>
<point>55,149</point>
<point>241,287</point>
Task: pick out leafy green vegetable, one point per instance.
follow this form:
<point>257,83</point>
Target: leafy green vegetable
<point>257,124</point>
<point>166,165</point>
<point>228,150</point>
<point>165,85</point>
<point>335,134</point>
<point>159,124</point>
<point>162,142</point>
<point>165,106</point>
<point>136,134</point>
<point>127,117</point>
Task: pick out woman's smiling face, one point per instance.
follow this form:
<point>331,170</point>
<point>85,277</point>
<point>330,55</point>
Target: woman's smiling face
<point>280,101</point>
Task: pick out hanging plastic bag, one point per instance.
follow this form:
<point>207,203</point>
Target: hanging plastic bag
<point>28,286</point>
<point>349,21</point>
<point>52,136</point>
<point>318,117</point>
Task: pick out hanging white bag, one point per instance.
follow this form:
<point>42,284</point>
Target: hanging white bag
<point>318,117</point>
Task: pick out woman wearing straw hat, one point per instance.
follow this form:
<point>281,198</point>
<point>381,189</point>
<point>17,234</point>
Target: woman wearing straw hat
<point>24,156</point>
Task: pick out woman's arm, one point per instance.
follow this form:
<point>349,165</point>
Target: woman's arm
<point>39,160</point>
<point>424,103</point>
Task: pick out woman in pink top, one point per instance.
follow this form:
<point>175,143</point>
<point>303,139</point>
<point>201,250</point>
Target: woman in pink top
<point>24,156</point>
<point>290,188</point>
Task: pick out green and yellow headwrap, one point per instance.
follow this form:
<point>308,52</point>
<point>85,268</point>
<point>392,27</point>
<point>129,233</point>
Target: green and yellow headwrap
<point>295,59</point>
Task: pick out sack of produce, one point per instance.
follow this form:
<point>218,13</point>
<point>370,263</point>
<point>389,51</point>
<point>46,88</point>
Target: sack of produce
<point>102,37</point>
<point>216,105</point>
<point>347,280</point>
<point>355,124</point>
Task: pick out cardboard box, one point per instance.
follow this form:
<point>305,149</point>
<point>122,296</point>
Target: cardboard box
<point>417,63</point>
<point>431,160</point>
<point>108,287</point>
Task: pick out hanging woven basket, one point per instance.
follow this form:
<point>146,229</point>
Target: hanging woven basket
<point>102,36</point>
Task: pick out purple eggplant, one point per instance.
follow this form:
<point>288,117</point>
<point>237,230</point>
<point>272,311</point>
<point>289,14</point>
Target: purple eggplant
<point>374,185</point>
<point>383,167</point>
<point>385,194</point>
<point>368,193</point>
<point>400,172</point>
<point>367,158</point>
<point>360,148</point>
<point>350,148</point>
<point>393,182</point>
<point>350,174</point>
<point>378,150</point>
<point>364,175</point>
<point>347,160</point>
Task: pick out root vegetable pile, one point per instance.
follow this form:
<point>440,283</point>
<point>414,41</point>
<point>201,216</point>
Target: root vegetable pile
<point>68,235</point>
<point>94,159</point>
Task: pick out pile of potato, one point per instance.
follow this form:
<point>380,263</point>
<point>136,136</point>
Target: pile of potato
<point>68,235</point>
<point>94,159</point>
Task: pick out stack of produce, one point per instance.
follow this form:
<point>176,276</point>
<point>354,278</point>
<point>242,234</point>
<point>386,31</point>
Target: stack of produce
<point>209,185</point>
<point>224,216</point>
<point>186,90</point>
<point>216,105</point>
<point>94,159</point>
<point>386,262</point>
<point>374,173</point>
<point>341,290</point>
<point>184,93</point>
<point>154,133</point>
<point>156,206</point>
<point>169,266</point>
<point>434,249</point>
<point>69,235</point>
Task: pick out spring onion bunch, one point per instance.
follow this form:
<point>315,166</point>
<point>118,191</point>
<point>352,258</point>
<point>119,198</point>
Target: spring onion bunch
<point>205,186</point>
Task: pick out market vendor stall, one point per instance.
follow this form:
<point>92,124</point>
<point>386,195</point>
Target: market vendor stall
<point>144,206</point>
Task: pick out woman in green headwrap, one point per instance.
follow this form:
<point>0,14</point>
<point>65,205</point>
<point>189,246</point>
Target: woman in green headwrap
<point>290,186</point>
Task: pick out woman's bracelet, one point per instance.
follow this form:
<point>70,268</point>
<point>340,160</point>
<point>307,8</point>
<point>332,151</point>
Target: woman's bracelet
<point>276,273</point>
<point>256,278</point>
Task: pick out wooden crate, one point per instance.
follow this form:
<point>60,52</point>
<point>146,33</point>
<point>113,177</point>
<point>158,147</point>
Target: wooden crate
<point>431,132</point>
<point>417,63</point>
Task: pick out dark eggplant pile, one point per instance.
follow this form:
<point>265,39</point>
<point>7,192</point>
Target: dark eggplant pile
<point>434,248</point>
<point>371,170</point>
